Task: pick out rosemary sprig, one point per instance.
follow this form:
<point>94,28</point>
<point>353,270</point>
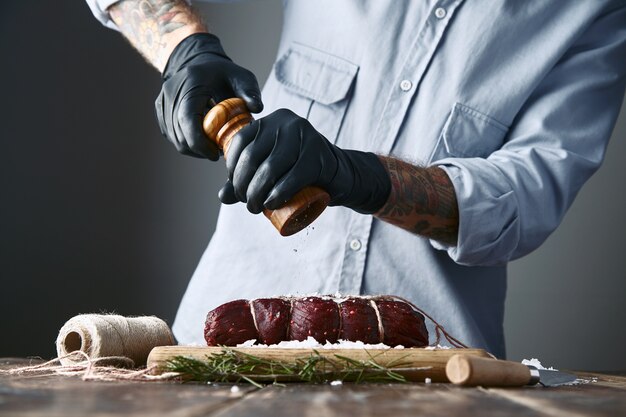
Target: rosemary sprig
<point>235,366</point>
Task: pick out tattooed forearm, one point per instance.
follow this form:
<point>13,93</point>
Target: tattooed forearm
<point>422,200</point>
<point>155,27</point>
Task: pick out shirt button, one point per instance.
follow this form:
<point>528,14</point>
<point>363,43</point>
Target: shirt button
<point>405,85</point>
<point>355,244</point>
<point>440,12</point>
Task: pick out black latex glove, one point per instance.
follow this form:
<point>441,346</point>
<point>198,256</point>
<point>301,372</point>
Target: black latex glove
<point>197,76</point>
<point>275,157</point>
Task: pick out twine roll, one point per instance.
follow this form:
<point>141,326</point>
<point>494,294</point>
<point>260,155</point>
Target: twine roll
<point>109,335</point>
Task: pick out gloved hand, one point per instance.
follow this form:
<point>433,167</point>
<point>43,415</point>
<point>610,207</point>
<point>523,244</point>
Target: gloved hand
<point>197,76</point>
<point>276,156</point>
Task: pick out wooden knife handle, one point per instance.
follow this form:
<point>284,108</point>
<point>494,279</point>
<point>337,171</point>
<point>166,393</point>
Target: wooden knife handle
<point>472,371</point>
<point>220,125</point>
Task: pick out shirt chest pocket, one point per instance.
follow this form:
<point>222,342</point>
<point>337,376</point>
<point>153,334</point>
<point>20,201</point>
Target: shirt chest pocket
<point>315,85</point>
<point>469,133</point>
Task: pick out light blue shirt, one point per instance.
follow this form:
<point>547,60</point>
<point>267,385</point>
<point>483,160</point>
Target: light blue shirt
<point>515,100</point>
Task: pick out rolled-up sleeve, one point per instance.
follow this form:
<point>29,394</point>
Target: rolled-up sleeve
<point>99,9</point>
<point>510,201</point>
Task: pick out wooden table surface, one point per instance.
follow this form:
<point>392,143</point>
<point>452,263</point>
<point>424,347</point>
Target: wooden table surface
<point>70,396</point>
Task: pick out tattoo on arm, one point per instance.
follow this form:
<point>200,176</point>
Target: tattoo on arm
<point>155,27</point>
<point>422,200</point>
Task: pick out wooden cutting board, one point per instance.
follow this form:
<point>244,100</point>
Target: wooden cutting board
<point>415,364</point>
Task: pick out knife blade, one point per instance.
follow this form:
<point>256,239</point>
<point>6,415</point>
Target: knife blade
<point>553,378</point>
<point>473,371</point>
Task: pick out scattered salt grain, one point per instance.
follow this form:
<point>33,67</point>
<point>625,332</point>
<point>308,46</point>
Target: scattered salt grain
<point>427,381</point>
<point>347,344</point>
<point>584,381</point>
<point>311,343</point>
<point>437,347</point>
<point>537,364</point>
<point>234,389</point>
<point>247,343</point>
<point>335,383</point>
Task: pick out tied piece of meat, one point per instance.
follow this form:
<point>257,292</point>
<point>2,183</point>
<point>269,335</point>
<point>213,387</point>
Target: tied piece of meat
<point>369,319</point>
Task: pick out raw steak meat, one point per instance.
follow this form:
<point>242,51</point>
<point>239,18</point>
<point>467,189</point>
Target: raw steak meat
<point>378,319</point>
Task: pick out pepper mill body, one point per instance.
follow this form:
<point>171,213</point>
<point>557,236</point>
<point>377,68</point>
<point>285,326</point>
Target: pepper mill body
<point>220,125</point>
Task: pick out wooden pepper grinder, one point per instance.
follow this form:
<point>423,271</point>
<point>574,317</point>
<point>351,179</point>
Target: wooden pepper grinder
<point>227,118</point>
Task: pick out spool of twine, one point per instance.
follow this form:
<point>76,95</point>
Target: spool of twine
<point>129,339</point>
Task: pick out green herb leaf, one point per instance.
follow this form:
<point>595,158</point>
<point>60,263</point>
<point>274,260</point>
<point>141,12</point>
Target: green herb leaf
<point>234,366</point>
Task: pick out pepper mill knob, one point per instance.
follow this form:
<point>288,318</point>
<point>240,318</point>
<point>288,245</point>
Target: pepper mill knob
<point>220,125</point>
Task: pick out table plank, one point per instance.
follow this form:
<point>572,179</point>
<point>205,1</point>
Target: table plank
<point>397,400</point>
<point>23,396</point>
<point>52,396</point>
<point>587,400</point>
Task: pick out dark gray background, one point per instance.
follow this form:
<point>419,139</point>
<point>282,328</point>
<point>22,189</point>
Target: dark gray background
<point>99,213</point>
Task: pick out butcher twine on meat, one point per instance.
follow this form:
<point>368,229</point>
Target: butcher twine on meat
<point>370,319</point>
